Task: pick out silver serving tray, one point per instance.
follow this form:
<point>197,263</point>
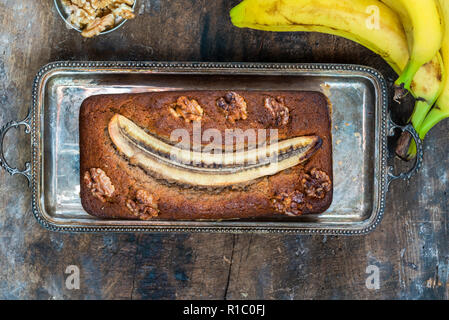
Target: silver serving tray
<point>360,126</point>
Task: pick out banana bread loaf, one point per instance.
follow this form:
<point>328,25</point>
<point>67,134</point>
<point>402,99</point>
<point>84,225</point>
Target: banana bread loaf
<point>205,155</point>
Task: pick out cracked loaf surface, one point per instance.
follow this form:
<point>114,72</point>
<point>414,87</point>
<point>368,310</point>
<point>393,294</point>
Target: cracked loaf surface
<point>113,185</point>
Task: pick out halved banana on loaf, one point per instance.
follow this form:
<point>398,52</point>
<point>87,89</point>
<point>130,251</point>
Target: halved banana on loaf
<point>205,169</point>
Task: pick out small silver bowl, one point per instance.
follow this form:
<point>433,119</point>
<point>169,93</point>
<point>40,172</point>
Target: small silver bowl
<point>65,17</point>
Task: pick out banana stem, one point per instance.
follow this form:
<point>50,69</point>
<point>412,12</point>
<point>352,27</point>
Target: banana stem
<point>420,112</point>
<point>406,147</point>
<point>435,115</point>
<point>405,79</point>
<point>412,150</point>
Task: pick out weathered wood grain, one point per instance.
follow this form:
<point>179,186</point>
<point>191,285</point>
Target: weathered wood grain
<point>409,247</point>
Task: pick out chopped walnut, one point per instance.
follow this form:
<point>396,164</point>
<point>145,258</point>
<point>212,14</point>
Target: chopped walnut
<point>99,183</point>
<point>97,26</point>
<point>79,3</point>
<point>128,2</point>
<point>144,206</point>
<point>278,110</point>
<point>291,203</point>
<point>124,11</point>
<point>120,2</point>
<point>234,106</point>
<point>316,184</point>
<point>90,10</point>
<point>100,4</point>
<point>79,17</point>
<point>189,109</point>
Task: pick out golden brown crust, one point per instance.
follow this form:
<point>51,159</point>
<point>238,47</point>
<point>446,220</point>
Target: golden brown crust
<point>308,115</point>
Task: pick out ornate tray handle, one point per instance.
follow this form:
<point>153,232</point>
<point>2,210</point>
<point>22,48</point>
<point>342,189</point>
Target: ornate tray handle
<point>3,163</point>
<point>419,153</point>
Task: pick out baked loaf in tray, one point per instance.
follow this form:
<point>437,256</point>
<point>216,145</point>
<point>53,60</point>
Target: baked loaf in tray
<point>142,157</point>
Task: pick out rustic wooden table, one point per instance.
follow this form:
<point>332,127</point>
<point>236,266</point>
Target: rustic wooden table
<point>410,247</point>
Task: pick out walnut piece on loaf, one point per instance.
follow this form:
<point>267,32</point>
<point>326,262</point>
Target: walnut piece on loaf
<point>144,206</point>
<point>95,16</point>
<point>188,109</point>
<point>99,183</point>
<point>233,106</point>
<point>291,203</point>
<point>278,110</point>
<point>316,184</point>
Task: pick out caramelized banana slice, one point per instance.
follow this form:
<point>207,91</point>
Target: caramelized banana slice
<point>204,159</point>
<point>153,155</point>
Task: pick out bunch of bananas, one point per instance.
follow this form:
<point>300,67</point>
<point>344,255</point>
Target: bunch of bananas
<point>410,35</point>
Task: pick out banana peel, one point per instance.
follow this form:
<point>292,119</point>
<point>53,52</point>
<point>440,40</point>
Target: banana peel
<point>347,19</point>
<point>441,109</point>
<point>424,31</point>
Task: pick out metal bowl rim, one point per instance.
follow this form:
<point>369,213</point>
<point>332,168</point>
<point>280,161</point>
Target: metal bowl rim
<point>58,8</point>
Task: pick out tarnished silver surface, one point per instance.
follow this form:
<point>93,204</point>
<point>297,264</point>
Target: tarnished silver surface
<point>359,128</point>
